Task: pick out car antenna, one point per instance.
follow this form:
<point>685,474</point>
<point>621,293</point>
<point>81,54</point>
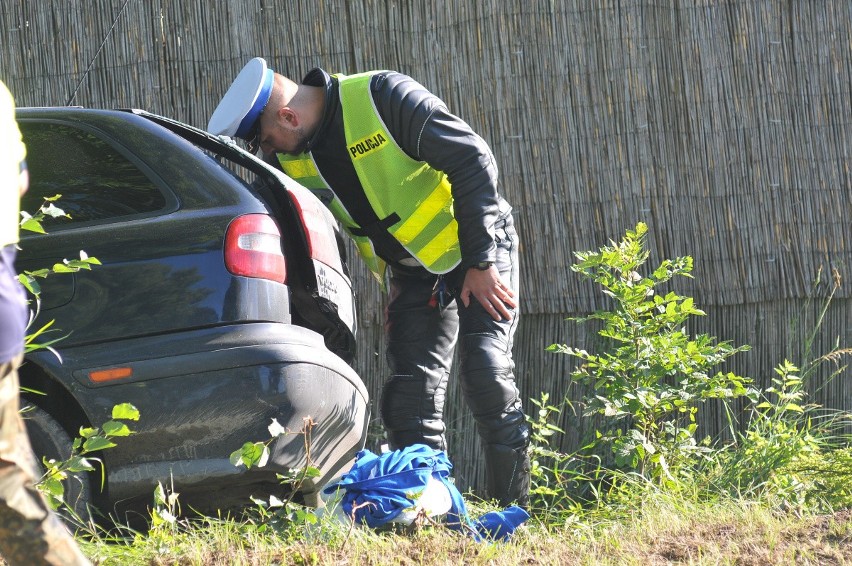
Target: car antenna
<point>92,62</point>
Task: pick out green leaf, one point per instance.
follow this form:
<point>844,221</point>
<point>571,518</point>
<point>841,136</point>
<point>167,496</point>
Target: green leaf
<point>88,432</point>
<point>159,495</point>
<point>54,490</point>
<point>32,225</point>
<point>311,472</point>
<point>305,516</point>
<point>251,454</point>
<point>63,268</point>
<point>166,515</point>
<point>97,443</point>
<point>53,211</point>
<point>42,273</point>
<point>30,284</point>
<point>78,464</point>
<point>115,428</point>
<point>125,411</point>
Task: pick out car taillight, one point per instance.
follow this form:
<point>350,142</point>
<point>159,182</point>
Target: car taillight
<point>253,248</point>
<point>319,230</point>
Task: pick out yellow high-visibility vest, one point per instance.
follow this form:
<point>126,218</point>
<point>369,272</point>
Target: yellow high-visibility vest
<point>412,200</point>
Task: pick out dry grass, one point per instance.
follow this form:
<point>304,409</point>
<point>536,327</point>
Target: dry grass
<point>734,533</point>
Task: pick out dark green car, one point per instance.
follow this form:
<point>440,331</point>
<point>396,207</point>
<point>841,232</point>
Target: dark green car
<point>222,302</point>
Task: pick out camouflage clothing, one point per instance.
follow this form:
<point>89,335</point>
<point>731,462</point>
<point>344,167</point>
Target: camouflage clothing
<point>30,533</point>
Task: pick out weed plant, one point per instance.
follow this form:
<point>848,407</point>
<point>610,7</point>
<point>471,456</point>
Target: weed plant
<point>35,339</point>
<point>793,454</point>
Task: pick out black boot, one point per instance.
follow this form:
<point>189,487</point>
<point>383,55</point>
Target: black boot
<point>507,475</point>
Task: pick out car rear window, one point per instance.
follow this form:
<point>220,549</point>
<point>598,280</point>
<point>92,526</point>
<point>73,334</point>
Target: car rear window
<point>95,180</point>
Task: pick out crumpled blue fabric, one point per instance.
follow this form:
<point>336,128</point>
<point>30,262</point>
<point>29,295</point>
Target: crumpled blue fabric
<point>499,525</point>
<point>382,482</point>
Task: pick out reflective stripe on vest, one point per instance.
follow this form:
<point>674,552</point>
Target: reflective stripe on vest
<point>303,169</point>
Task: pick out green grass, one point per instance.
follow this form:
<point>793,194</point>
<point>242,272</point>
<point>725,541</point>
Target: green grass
<point>662,530</point>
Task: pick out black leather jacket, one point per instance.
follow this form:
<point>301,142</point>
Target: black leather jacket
<point>423,127</point>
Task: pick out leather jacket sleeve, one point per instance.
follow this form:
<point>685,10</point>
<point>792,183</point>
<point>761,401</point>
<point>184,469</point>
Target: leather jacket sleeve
<point>424,128</point>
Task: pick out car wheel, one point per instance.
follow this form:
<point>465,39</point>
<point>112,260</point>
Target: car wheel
<point>50,440</point>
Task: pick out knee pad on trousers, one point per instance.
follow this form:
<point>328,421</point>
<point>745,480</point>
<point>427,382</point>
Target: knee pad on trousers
<point>412,409</point>
<point>495,403</point>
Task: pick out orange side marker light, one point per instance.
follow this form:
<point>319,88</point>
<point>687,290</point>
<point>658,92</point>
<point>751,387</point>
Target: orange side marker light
<point>112,374</point>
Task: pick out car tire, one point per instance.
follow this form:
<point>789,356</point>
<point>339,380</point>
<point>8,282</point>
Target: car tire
<point>49,439</point>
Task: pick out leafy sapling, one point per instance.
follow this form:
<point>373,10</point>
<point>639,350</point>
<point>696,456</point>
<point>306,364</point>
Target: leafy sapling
<point>649,383</point>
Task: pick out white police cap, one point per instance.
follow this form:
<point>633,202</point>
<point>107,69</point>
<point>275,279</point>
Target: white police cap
<point>246,98</point>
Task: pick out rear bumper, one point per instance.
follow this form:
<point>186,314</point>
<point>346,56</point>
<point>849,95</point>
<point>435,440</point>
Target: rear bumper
<point>207,392</point>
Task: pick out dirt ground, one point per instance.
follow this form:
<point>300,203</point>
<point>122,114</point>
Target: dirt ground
<point>823,540</point>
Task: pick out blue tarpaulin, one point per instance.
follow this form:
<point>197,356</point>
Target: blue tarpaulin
<point>380,487</point>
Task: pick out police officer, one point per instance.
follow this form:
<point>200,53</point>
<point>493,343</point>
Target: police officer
<point>416,189</point>
<point>29,531</point>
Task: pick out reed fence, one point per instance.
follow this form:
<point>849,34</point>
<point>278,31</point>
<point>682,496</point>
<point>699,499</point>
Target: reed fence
<point>725,125</point>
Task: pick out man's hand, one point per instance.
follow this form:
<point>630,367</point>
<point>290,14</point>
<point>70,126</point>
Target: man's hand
<point>489,289</point>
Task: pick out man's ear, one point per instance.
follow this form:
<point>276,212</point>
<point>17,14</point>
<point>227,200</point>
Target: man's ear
<point>289,117</point>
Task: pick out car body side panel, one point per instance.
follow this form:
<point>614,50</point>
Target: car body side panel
<point>291,393</point>
<point>202,394</point>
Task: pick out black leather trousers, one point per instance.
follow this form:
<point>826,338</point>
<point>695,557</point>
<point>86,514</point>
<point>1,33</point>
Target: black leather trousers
<point>421,337</point>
